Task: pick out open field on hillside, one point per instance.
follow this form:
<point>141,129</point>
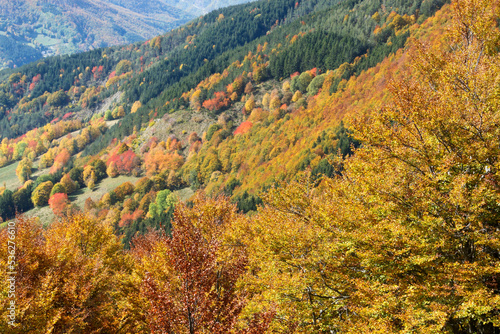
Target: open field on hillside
<point>184,194</point>
<point>101,188</point>
<point>45,214</point>
<point>8,177</point>
<point>109,184</point>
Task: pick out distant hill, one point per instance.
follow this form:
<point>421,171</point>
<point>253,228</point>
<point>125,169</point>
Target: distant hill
<point>197,7</point>
<point>32,29</point>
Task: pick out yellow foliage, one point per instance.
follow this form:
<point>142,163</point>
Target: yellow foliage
<point>135,106</point>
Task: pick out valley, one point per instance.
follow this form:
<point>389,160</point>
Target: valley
<point>33,29</point>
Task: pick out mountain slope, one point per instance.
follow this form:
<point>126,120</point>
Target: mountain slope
<point>369,132</point>
<point>217,104</point>
<point>31,29</point>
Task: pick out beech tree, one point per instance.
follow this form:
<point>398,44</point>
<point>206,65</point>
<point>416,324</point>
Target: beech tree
<point>275,102</point>
<point>23,170</point>
<point>7,205</point>
<point>250,104</point>
<point>301,82</point>
<point>406,237</point>
<point>58,98</point>
<point>135,107</point>
<point>218,102</point>
<point>69,185</point>
<point>123,66</point>
<point>316,84</point>
<point>164,202</point>
<point>296,96</point>
<point>22,198</point>
<point>159,159</point>
<point>125,162</point>
<point>66,277</point>
<point>41,194</point>
<point>192,289</point>
<point>112,171</point>
<point>123,190</point>
<point>60,160</point>
<point>58,203</point>
<point>248,88</point>
<point>437,188</point>
<point>58,188</point>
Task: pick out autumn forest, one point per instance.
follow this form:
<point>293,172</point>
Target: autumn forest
<point>310,166</point>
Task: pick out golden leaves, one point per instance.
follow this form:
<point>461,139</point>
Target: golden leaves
<point>407,238</point>
<point>65,276</point>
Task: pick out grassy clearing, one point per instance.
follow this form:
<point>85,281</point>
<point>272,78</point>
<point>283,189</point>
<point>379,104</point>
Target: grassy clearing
<point>110,124</point>
<point>103,187</point>
<point>36,171</point>
<point>8,177</point>
<point>184,194</point>
<point>45,214</point>
<point>78,198</point>
<point>47,41</point>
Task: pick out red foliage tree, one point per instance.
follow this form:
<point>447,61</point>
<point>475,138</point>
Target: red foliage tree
<point>124,162</point>
<point>201,294</point>
<point>243,128</point>
<point>126,219</point>
<point>218,102</point>
<point>97,71</point>
<point>67,115</point>
<point>130,217</point>
<point>60,160</point>
<point>58,203</point>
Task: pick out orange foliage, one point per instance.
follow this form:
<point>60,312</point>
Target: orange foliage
<point>280,147</point>
<point>243,128</point>
<point>159,159</point>
<point>58,203</point>
<point>130,217</point>
<point>60,160</point>
<point>199,294</point>
<point>218,102</point>
<point>123,159</point>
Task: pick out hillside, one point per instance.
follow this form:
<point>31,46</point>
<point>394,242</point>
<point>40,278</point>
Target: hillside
<point>207,105</point>
<point>30,29</point>
<point>310,166</point>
